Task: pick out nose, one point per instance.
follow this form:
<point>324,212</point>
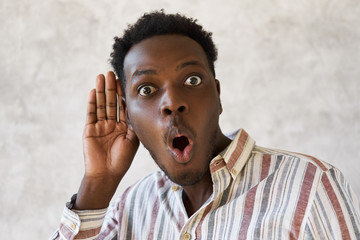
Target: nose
<point>173,102</point>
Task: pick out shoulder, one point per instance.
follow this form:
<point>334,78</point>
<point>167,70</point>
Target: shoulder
<point>318,190</point>
<point>309,171</point>
<point>286,156</point>
<point>304,172</point>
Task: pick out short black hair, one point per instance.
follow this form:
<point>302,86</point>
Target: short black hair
<point>158,23</point>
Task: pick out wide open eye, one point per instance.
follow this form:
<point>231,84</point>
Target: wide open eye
<point>193,80</point>
<point>146,90</point>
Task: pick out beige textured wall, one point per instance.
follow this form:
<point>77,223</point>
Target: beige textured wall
<point>289,71</point>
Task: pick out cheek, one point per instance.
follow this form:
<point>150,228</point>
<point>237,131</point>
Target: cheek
<point>143,122</point>
<point>212,113</point>
<point>211,105</point>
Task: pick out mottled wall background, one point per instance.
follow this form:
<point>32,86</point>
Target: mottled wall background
<point>289,71</point>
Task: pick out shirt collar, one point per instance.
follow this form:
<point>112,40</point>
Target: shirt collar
<point>236,154</point>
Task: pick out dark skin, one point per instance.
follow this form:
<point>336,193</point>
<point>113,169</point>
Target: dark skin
<point>171,95</point>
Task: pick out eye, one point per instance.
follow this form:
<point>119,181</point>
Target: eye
<point>146,90</point>
<point>193,80</point>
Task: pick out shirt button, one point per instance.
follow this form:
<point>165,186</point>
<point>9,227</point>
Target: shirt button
<point>187,236</point>
<point>72,226</point>
<point>174,188</point>
<point>233,171</point>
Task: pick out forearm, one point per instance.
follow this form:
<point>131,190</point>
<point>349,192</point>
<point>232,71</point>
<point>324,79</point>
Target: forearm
<point>96,193</point>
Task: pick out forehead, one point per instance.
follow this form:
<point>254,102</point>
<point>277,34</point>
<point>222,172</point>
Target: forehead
<point>161,52</point>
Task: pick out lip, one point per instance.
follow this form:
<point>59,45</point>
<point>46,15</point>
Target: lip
<point>186,154</point>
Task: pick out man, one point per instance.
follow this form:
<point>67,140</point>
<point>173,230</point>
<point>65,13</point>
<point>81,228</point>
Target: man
<point>211,186</point>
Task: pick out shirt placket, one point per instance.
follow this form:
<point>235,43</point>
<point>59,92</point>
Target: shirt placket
<point>221,179</point>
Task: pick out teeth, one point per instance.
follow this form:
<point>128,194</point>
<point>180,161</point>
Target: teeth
<point>180,143</point>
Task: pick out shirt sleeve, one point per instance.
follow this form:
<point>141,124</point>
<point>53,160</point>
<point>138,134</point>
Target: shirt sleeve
<point>76,224</point>
<point>335,213</point>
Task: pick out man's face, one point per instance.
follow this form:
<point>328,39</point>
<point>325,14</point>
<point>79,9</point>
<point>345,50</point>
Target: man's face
<point>173,105</point>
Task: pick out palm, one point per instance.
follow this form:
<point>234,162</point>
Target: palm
<point>109,145</point>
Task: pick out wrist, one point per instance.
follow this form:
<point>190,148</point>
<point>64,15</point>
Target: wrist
<point>95,193</point>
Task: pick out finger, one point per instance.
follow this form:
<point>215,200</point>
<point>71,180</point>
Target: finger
<point>111,111</point>
<point>91,109</point>
<point>100,98</point>
<point>120,101</point>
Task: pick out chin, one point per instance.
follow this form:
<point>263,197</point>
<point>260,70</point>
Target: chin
<point>185,178</point>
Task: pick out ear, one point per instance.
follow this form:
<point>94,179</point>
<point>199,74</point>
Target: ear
<point>126,113</point>
<point>217,82</point>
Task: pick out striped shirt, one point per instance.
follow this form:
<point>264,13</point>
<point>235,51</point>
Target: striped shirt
<point>258,193</point>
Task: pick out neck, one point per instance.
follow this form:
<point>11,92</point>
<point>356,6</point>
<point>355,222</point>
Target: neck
<point>195,195</point>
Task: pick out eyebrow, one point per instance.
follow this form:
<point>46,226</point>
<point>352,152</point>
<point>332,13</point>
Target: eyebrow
<point>188,63</point>
<point>138,73</point>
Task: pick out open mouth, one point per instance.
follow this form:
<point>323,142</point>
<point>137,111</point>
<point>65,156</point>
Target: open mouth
<point>181,146</point>
<point>180,143</point>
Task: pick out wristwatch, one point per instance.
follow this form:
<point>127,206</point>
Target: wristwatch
<point>72,201</point>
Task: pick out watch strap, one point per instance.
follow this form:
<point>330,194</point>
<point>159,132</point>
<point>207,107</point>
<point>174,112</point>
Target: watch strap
<point>72,201</point>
